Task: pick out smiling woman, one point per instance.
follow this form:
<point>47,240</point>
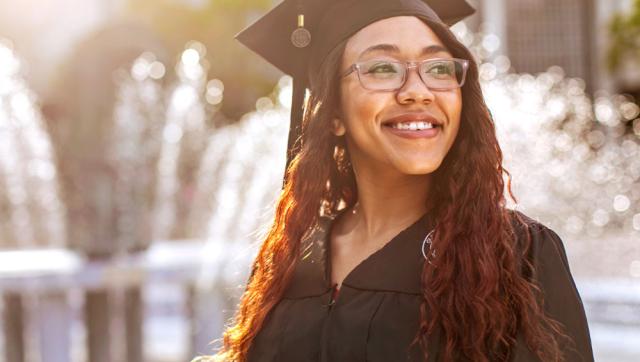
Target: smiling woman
<point>391,240</point>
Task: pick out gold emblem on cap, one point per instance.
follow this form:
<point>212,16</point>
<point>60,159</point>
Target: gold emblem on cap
<point>301,37</point>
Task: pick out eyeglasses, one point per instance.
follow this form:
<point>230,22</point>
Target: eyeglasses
<point>387,75</point>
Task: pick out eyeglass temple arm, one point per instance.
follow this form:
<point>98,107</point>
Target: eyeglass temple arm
<point>350,70</point>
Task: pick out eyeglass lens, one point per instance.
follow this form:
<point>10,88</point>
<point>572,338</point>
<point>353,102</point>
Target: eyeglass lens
<point>387,75</point>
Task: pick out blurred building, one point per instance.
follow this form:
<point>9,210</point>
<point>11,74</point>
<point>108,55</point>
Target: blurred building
<point>572,34</point>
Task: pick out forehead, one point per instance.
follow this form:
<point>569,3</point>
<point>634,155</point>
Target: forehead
<point>408,33</point>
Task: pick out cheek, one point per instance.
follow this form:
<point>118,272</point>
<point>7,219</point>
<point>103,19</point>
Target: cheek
<point>451,105</point>
<point>360,107</point>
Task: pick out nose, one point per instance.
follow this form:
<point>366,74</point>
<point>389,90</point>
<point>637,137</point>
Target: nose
<point>414,90</point>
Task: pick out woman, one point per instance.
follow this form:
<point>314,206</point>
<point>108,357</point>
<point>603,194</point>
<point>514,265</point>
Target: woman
<point>391,240</point>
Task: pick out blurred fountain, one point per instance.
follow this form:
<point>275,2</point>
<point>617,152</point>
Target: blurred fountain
<point>239,181</point>
<point>575,162</point>
<point>31,211</point>
<point>192,181</point>
<point>135,148</point>
<point>183,141</point>
<point>572,167</point>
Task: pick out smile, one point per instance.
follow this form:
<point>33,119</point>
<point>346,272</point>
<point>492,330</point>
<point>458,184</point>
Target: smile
<point>413,130</point>
<point>413,126</point>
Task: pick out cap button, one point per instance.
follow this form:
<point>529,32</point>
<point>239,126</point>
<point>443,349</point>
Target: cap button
<point>301,37</point>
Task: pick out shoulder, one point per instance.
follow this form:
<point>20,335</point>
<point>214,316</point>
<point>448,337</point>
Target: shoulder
<point>541,252</point>
<point>522,223</point>
<point>544,261</point>
<point>535,240</point>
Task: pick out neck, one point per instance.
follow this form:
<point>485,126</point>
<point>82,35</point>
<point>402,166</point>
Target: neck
<point>388,201</point>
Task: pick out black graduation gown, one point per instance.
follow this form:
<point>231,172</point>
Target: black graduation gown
<point>376,313</point>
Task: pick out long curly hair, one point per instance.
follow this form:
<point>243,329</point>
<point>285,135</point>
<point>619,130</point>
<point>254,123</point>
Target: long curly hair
<point>477,290</point>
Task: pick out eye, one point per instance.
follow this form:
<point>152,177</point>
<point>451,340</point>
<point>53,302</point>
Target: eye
<point>440,69</point>
<point>381,68</point>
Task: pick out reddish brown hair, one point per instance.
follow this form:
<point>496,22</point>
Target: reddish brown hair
<point>476,291</point>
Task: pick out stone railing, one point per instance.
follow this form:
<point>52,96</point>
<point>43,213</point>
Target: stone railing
<point>40,290</point>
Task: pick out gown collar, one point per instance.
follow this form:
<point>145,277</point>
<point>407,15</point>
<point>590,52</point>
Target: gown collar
<point>396,267</point>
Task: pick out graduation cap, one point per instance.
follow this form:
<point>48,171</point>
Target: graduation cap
<point>297,35</point>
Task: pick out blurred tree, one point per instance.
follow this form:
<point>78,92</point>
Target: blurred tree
<point>214,23</point>
<point>624,30</point>
<point>623,56</point>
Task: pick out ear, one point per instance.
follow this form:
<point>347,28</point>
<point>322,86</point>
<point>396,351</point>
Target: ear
<point>338,127</point>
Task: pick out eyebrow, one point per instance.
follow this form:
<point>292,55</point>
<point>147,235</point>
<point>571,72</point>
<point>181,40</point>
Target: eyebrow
<point>390,48</point>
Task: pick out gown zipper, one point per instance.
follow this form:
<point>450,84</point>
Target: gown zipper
<point>334,295</point>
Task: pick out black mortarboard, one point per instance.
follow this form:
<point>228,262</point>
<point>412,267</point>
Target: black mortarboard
<point>297,35</point>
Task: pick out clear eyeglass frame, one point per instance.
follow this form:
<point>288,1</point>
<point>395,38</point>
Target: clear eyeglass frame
<point>463,65</point>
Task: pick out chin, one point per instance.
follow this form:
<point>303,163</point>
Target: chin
<point>416,162</point>
<point>422,168</point>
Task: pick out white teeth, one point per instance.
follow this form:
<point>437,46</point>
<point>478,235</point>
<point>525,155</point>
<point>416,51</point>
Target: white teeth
<point>413,126</point>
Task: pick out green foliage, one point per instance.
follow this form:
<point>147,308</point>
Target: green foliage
<point>624,31</point>
<point>214,23</point>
